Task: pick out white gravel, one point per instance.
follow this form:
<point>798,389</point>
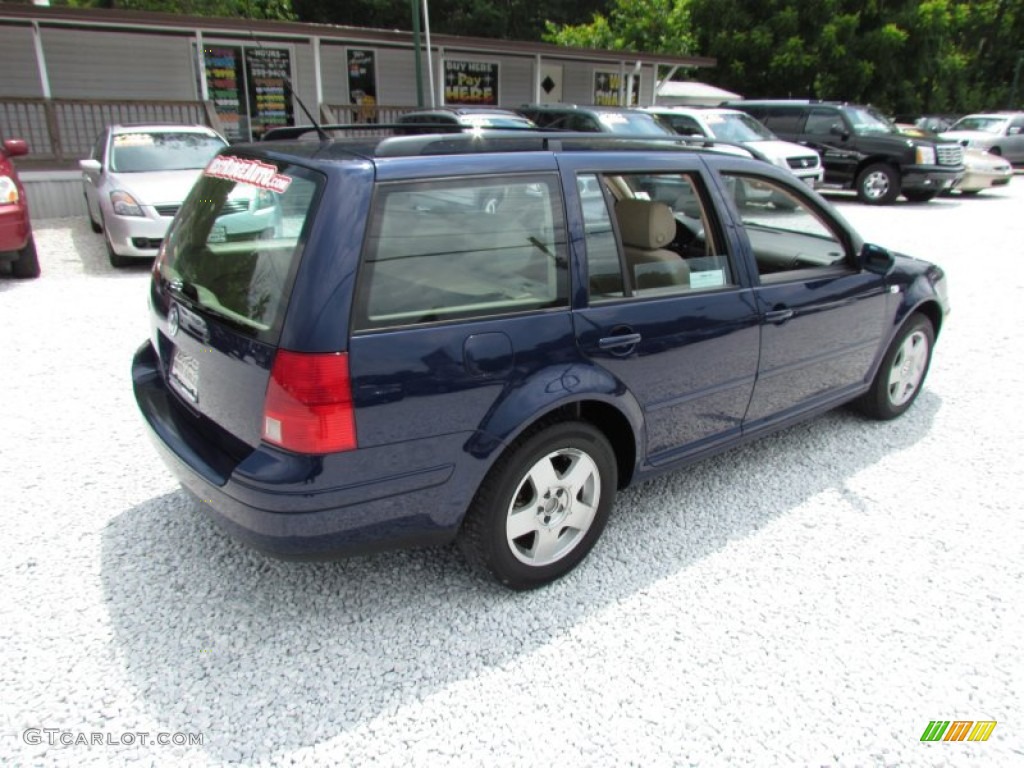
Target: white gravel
<point>812,599</point>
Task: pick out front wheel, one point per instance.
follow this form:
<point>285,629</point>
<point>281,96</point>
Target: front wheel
<point>542,507</point>
<point>878,184</point>
<point>27,263</point>
<point>903,370</point>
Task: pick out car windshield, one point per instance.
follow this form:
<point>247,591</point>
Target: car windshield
<point>633,124</point>
<point>866,120</point>
<point>737,127</point>
<point>147,151</point>
<point>979,123</point>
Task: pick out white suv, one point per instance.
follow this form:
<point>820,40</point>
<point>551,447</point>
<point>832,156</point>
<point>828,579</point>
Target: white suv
<point>732,125</point>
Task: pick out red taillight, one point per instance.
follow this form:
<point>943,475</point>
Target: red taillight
<point>308,408</point>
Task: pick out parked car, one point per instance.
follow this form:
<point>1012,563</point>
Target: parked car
<point>403,368</point>
<point>135,179</point>
<point>624,121</point>
<point>736,126</point>
<point>982,170</point>
<point>17,246</point>
<point>929,123</point>
<point>1001,133</point>
<point>862,150</point>
<point>464,118</point>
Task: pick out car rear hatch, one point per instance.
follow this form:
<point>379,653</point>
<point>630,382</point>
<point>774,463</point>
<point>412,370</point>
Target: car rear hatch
<point>221,289</point>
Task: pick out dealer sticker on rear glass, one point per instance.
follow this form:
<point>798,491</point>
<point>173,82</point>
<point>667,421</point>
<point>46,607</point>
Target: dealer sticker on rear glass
<point>252,172</point>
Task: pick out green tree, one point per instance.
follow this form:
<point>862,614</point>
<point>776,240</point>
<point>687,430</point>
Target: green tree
<point>655,26</point>
<point>280,10</point>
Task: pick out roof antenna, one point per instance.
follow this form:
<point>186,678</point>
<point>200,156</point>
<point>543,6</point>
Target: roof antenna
<point>287,81</point>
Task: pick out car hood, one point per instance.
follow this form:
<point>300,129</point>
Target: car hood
<point>156,187</point>
<point>972,136</point>
<point>776,148</point>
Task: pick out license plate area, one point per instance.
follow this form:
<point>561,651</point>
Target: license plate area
<point>184,375</point>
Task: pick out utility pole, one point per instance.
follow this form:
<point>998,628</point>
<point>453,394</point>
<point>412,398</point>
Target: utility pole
<point>414,4</point>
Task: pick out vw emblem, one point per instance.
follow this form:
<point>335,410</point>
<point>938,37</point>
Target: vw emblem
<point>173,320</point>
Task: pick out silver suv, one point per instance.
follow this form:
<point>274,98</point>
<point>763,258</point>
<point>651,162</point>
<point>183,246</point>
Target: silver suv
<point>738,127</point>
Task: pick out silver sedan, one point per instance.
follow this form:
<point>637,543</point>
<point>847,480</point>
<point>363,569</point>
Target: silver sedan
<point>136,179</point>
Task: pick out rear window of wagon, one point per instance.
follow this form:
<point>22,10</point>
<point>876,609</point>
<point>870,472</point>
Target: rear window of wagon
<point>235,245</point>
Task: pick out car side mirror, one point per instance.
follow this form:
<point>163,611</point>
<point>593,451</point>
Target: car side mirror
<point>15,147</point>
<point>838,130</point>
<point>90,165</point>
<point>875,258</point>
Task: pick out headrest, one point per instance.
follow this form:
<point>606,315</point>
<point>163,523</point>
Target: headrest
<point>645,223</point>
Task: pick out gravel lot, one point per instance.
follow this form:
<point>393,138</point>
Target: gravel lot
<point>812,599</point>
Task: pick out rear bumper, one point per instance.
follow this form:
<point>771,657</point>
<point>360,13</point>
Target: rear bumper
<point>295,506</point>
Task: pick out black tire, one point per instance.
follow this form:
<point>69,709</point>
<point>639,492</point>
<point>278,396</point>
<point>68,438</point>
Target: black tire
<point>116,261</point>
<point>96,227</point>
<point>997,151</point>
<point>920,197</point>
<point>878,184</point>
<point>529,478</point>
<point>969,192</point>
<point>902,372</point>
<point>27,263</point>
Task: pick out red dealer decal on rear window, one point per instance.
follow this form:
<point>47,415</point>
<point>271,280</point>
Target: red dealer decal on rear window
<point>248,171</point>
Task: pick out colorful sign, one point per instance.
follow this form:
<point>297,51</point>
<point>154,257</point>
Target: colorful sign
<point>607,86</point>
<point>471,82</point>
<point>223,82</point>
<point>362,83</point>
<point>269,100</point>
<point>959,730</point>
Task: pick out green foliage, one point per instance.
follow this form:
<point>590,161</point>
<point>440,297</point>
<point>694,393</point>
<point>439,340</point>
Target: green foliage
<point>280,10</point>
<point>902,55</point>
<point>655,26</point>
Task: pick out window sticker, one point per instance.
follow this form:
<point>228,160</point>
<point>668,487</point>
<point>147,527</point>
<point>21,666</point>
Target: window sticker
<point>133,140</point>
<point>711,278</point>
<point>251,172</point>
<point>610,118</point>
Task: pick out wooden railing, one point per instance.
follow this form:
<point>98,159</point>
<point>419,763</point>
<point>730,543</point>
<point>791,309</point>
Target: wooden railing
<point>61,131</point>
<point>353,113</point>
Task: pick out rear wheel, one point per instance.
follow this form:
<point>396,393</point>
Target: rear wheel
<point>903,370</point>
<point>542,507</point>
<point>27,263</point>
<point>969,192</point>
<point>920,197</point>
<point>878,184</point>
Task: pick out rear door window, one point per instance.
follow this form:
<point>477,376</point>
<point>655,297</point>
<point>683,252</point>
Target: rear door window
<point>234,247</point>
<point>471,247</point>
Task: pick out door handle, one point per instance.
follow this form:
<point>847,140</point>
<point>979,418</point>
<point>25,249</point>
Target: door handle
<point>614,342</point>
<point>778,316</point>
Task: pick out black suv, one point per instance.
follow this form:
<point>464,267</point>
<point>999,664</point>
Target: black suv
<point>619,120</point>
<point>483,337</point>
<point>862,150</point>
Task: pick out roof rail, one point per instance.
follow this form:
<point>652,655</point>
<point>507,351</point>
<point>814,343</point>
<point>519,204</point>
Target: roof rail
<point>459,140</point>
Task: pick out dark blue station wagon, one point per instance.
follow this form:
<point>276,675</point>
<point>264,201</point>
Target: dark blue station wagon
<point>483,338</point>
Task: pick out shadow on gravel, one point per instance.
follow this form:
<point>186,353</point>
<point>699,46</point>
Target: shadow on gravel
<point>92,251</point>
<point>262,655</point>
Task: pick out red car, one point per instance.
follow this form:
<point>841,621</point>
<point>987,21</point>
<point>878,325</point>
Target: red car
<point>16,244</point>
